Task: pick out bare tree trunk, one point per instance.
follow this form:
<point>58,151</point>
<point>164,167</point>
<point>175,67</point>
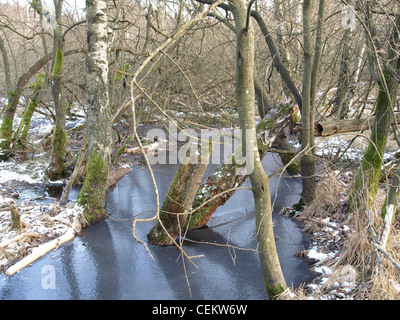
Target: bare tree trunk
<point>93,194</point>
<point>353,82</point>
<point>283,48</point>
<point>367,179</point>
<point>286,78</point>
<point>307,163</point>
<point>344,75</point>
<point>273,276</point>
<point>57,168</point>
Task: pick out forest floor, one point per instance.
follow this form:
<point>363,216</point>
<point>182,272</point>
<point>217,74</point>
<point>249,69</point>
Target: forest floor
<point>339,261</point>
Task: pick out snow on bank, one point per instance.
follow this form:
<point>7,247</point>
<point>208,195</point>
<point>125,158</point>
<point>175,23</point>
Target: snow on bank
<point>43,226</point>
<point>40,224</point>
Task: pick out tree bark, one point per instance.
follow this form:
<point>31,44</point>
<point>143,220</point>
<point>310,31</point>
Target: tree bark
<point>307,163</point>
<point>57,168</point>
<point>277,60</point>
<point>353,82</point>
<point>22,132</point>
<point>344,75</point>
<point>367,179</point>
<point>273,277</point>
<point>390,206</point>
<point>14,96</point>
<point>176,206</point>
<point>220,186</point>
<point>93,195</point>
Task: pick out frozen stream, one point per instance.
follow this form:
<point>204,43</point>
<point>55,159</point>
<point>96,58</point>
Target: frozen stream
<point>106,262</point>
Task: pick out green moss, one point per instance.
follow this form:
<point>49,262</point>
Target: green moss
<point>157,235</point>
<point>268,122</point>
<point>367,179</point>
<point>59,143</point>
<point>58,63</point>
<point>15,218</point>
<point>284,109</point>
<point>294,167</point>
<point>23,130</point>
<point>118,75</point>
<point>92,197</point>
<point>265,124</point>
<point>274,291</point>
<point>5,138</point>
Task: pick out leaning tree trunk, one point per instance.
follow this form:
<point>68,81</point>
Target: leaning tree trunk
<point>14,96</point>
<point>93,194</point>
<point>281,143</point>
<point>23,129</point>
<point>220,186</point>
<point>176,206</point>
<point>273,277</point>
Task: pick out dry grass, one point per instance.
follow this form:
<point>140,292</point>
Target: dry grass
<point>374,275</point>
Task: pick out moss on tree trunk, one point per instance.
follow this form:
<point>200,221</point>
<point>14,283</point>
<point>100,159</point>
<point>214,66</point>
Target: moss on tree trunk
<point>93,192</point>
<point>367,179</point>
<point>57,168</point>
<point>15,217</point>
<point>224,180</point>
<point>5,136</point>
<point>93,195</point>
<point>22,132</point>
<point>177,204</point>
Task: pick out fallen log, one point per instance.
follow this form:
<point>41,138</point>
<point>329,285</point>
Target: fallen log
<point>328,128</point>
<point>117,174</point>
<point>40,251</point>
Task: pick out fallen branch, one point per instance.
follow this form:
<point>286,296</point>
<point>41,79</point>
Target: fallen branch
<point>387,255</point>
<point>40,251</point>
<point>5,243</point>
<point>323,223</point>
<point>328,128</point>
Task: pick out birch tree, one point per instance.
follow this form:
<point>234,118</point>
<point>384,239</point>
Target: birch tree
<point>93,194</point>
